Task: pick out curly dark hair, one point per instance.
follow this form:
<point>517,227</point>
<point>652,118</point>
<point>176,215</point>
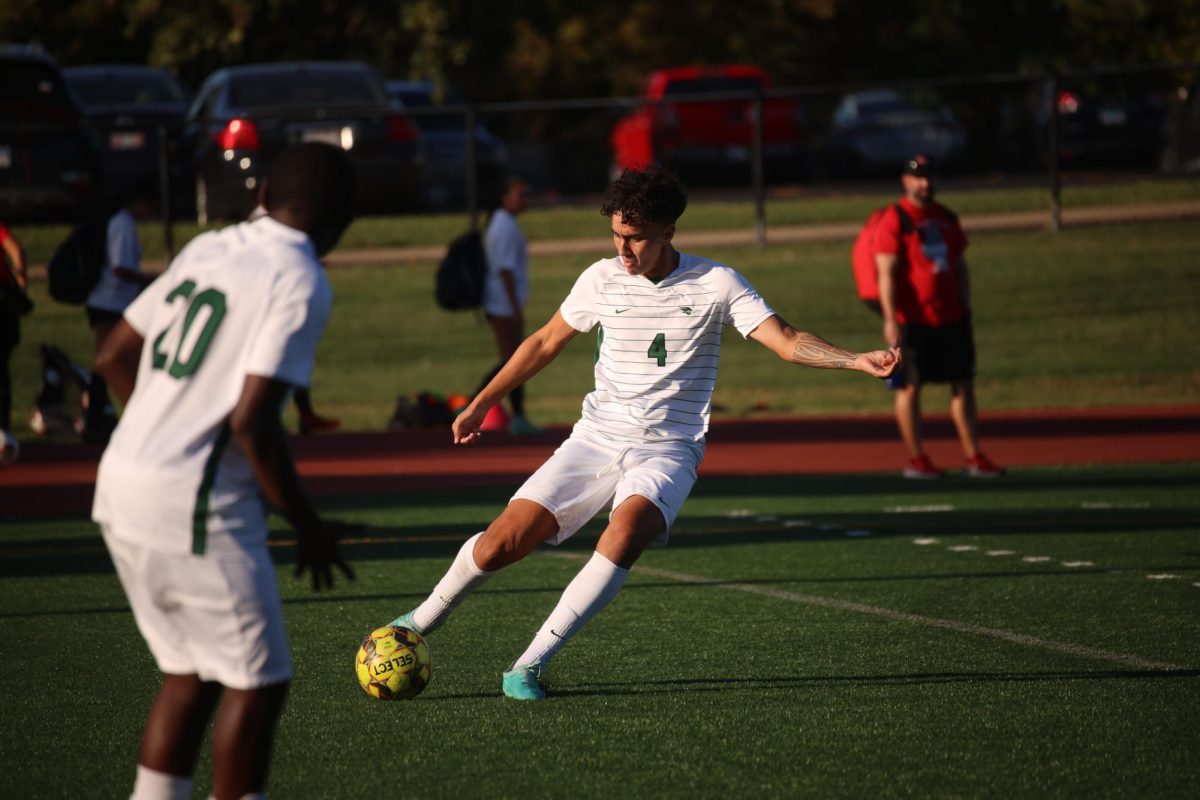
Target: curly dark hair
<point>649,195</point>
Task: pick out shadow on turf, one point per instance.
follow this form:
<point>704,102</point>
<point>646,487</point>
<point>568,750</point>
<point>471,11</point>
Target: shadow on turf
<point>674,685</point>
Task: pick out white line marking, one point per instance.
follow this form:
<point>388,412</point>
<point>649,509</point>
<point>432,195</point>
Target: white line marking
<point>766,518</point>
<point>739,513</point>
<point>1000,552</point>
<point>797,523</point>
<point>918,509</point>
<point>829,527</point>
<point>901,616</point>
<point>1101,506</point>
<point>1036,559</point>
<point>1078,564</point>
<point>924,542</point>
<point>858,534</point>
<point>962,548</point>
<point>1163,576</point>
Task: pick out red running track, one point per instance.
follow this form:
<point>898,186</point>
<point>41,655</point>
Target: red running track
<point>57,479</point>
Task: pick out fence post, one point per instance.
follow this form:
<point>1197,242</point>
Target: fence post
<point>164,191</point>
<point>760,200</point>
<point>472,177</point>
<point>1055,173</point>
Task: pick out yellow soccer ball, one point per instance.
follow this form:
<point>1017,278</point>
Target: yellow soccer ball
<point>392,663</point>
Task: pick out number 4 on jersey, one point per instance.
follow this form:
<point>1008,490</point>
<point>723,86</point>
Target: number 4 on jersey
<point>183,363</point>
<point>658,349</point>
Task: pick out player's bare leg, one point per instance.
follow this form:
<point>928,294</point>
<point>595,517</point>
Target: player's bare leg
<point>242,739</point>
<point>908,418</point>
<point>633,526</point>
<point>962,411</point>
<point>521,527</point>
<point>176,724</point>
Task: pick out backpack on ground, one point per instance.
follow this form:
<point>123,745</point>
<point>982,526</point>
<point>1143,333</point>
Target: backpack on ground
<point>460,275</point>
<point>76,266</point>
<point>862,255</point>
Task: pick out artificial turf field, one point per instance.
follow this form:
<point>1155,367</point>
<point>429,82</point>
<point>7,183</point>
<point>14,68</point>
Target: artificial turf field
<point>857,636</point>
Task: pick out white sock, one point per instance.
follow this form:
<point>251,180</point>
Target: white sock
<point>461,579</point>
<point>154,785</point>
<point>591,590</point>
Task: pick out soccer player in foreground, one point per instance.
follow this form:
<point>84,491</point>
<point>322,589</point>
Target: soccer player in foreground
<point>641,436</point>
<point>203,361</point>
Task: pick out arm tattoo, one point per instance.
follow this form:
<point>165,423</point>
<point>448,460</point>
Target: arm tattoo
<point>813,351</point>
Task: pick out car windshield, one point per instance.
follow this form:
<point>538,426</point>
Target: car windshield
<point>417,99</point>
<point>112,89</point>
<point>304,87</point>
<point>711,85</point>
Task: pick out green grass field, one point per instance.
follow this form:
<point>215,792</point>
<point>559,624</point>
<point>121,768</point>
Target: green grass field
<point>857,636</point>
<point>1087,317</point>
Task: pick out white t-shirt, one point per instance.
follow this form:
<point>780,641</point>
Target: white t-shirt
<point>251,299</point>
<point>123,250</point>
<point>659,344</point>
<point>506,249</point>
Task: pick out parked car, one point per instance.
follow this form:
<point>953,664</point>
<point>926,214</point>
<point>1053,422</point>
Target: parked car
<point>47,166</point>
<point>1100,127</point>
<point>706,137</point>
<point>444,139</point>
<point>127,105</point>
<point>244,116</point>
<point>873,131</point>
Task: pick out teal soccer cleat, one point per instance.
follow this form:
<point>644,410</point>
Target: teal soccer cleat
<point>521,683</point>
<point>406,621</point>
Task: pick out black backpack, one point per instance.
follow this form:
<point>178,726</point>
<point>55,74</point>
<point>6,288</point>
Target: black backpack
<point>76,266</point>
<point>460,275</point>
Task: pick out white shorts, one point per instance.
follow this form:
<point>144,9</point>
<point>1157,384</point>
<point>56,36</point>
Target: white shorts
<point>217,616</point>
<point>585,474</point>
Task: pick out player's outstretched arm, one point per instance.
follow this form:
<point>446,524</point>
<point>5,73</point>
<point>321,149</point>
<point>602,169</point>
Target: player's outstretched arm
<point>811,350</point>
<point>258,431</point>
<point>117,361</point>
<point>542,347</point>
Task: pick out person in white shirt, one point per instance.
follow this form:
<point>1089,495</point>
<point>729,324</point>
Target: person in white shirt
<point>641,437</point>
<point>121,280</point>
<point>506,289</point>
<point>203,361</point>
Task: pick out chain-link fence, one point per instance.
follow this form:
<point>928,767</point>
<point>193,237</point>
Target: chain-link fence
<point>725,138</point>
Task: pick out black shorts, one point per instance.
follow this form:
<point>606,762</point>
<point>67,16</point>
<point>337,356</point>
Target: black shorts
<point>940,354</point>
<point>96,316</point>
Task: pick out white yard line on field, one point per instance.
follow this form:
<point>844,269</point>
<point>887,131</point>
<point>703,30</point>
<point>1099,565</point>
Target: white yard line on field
<point>901,616</point>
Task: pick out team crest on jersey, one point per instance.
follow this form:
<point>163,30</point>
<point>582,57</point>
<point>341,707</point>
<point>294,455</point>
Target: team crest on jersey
<point>686,310</point>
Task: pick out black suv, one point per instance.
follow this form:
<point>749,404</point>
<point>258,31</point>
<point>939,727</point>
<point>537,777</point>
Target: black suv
<point>47,166</point>
<point>244,116</point>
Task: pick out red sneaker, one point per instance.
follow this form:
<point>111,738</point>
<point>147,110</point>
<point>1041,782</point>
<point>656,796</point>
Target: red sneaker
<point>313,423</point>
<point>982,467</point>
<point>922,467</point>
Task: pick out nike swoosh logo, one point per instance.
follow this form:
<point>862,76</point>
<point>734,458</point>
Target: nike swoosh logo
<point>621,310</point>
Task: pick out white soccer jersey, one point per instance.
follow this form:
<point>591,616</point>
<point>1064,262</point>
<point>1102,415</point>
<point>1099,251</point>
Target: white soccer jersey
<point>659,344</point>
<point>251,299</point>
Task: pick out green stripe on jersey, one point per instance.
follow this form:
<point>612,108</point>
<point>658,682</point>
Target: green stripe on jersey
<point>200,512</point>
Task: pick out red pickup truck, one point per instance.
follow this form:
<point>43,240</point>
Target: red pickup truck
<point>705,134</point>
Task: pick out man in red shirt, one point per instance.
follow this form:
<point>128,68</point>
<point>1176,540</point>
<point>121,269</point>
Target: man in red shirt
<point>924,292</point>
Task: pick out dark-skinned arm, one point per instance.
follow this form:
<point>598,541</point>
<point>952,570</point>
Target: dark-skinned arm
<point>117,361</point>
<point>257,429</point>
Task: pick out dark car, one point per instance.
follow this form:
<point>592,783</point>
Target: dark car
<point>874,131</point>
<point>47,166</point>
<point>1100,126</point>
<point>131,109</point>
<point>244,116</point>
<point>444,138</point>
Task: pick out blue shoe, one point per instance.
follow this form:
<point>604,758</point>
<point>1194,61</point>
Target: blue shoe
<point>521,683</point>
<point>406,621</point>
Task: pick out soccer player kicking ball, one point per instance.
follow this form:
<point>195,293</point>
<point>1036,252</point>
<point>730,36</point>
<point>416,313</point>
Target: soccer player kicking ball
<point>641,438</point>
<point>203,360</point>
